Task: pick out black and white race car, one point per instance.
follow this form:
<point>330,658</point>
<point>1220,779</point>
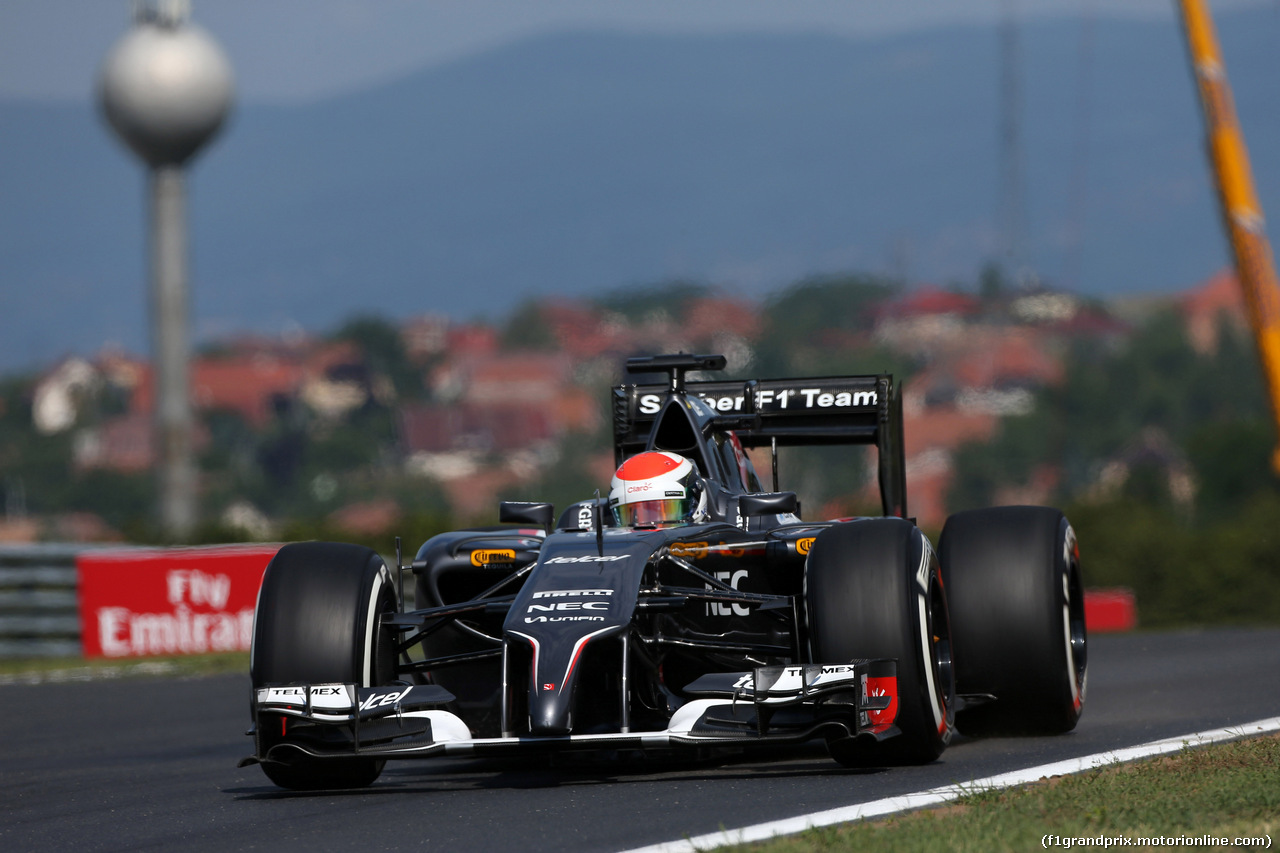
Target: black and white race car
<point>738,624</point>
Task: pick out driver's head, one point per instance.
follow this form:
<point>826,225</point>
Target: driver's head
<point>656,488</point>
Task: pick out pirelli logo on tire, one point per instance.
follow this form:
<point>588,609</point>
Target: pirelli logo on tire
<point>482,557</point>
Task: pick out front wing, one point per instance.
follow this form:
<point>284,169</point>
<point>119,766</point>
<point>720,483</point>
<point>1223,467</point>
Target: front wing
<point>770,705</point>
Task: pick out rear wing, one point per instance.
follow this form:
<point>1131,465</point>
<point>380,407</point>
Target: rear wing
<point>822,410</point>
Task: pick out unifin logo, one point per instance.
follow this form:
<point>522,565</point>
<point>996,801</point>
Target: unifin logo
<point>564,619</point>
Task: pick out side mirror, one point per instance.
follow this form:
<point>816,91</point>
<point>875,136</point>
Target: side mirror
<point>769,503</point>
<point>527,512</point>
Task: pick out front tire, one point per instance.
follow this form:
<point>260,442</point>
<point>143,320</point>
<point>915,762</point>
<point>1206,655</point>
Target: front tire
<point>1017,607</point>
<point>317,622</point>
<point>873,589</point>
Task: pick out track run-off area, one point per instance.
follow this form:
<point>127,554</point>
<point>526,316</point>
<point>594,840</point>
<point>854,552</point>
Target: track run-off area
<point>144,763</point>
<point>938,796</point>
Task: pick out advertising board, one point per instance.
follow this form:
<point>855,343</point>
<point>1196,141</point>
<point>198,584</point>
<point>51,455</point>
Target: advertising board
<point>169,601</point>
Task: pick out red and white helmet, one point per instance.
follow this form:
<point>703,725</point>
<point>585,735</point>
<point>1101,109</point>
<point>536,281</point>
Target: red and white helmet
<point>656,488</point>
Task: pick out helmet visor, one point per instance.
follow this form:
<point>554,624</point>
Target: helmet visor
<point>653,512</point>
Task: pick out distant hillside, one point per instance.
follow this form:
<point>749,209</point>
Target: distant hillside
<point>578,163</point>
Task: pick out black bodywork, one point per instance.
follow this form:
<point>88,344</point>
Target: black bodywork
<point>576,633</point>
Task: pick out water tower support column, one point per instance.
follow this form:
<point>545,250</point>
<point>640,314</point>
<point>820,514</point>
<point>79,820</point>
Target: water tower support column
<point>173,420</point>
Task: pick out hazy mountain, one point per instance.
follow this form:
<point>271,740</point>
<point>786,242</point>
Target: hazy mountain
<point>581,162</point>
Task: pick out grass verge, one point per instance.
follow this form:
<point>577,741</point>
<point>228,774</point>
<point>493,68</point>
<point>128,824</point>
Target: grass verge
<point>45,670</point>
<point>1229,790</point>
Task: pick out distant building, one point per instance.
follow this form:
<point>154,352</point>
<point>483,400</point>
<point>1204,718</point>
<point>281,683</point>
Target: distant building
<point>369,518</point>
<point>425,336</point>
<point>1208,305</point>
<point>61,393</point>
<point>1044,307</point>
<point>250,387</point>
<point>121,444</point>
<point>925,319</point>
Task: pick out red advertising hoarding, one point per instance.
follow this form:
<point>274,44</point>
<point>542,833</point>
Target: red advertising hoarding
<point>169,601</point>
<point>1107,610</point>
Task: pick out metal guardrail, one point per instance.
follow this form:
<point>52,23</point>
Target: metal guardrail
<point>39,606</point>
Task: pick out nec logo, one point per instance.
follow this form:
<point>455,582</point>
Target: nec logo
<point>568,605</point>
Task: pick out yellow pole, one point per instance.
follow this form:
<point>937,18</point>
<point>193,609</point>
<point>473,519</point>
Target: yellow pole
<point>1246,226</point>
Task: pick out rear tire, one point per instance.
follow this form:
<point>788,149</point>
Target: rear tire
<point>1017,607</point>
<point>317,622</point>
<point>873,590</point>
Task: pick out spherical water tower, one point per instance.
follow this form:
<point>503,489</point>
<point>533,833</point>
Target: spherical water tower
<point>166,88</point>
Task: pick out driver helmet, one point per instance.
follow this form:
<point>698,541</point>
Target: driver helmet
<point>656,488</point>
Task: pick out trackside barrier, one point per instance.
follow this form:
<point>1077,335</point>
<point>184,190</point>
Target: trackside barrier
<point>169,601</point>
<point>39,614</point>
<point>72,600</point>
<point>64,600</point>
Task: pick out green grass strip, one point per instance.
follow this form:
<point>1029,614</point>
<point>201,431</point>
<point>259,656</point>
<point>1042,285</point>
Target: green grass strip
<point>46,670</point>
<point>1228,790</point>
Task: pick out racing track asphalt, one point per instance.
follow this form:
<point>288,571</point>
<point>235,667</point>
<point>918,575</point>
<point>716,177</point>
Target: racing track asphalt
<point>150,765</point>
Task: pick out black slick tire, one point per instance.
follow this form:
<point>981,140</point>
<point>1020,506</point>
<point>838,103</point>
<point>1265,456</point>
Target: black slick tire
<point>317,622</point>
<point>873,590</point>
<point>1017,617</point>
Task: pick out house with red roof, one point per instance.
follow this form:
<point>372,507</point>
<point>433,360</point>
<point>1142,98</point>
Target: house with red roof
<point>1208,305</point>
<point>246,385</point>
<point>924,319</point>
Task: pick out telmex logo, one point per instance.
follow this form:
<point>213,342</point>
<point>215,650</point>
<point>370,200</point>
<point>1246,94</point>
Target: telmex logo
<point>489,556</point>
<point>572,593</point>
<point>748,680</point>
<point>803,545</point>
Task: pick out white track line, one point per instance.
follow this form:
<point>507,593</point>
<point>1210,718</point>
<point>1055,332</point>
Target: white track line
<point>936,796</point>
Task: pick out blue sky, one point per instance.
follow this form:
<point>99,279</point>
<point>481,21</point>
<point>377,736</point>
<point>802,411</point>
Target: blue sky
<point>289,50</point>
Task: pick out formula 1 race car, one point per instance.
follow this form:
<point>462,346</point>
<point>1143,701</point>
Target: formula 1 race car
<point>691,608</point>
